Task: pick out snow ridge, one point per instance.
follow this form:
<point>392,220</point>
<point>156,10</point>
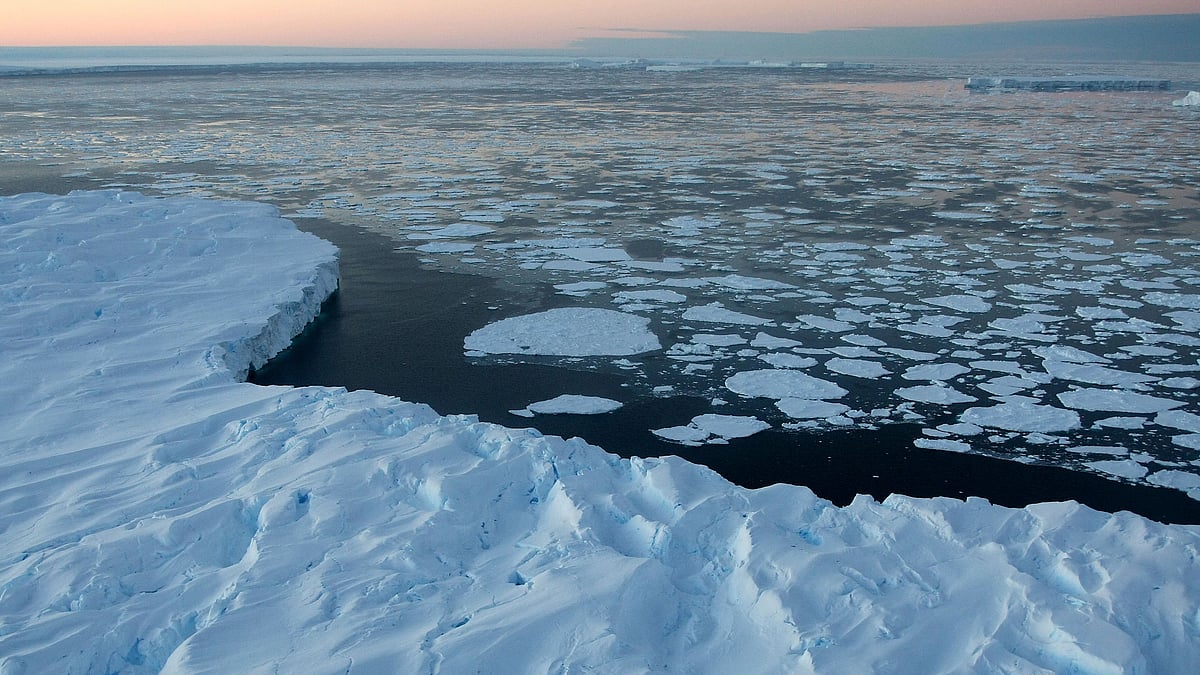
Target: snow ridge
<point>158,515</point>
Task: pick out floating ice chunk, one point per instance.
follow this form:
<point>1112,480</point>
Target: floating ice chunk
<point>945,444</point>
<point>767,341</point>
<point>571,331</point>
<point>1122,468</point>
<point>937,372</point>
<point>1121,422</point>
<point>963,215</point>
<point>723,340</point>
<point>1068,354</point>
<point>580,288</point>
<point>824,323</point>
<point>805,409</point>
<point>1092,373</point>
<point>1173,478</point>
<point>738,282</point>
<point>788,360</point>
<point>1174,300</point>
<point>1192,99</point>
<point>857,368</point>
<point>1115,400</point>
<point>1022,416</point>
<point>714,312</point>
<point>574,404</point>
<point>1178,419</point>
<point>730,426</point>
<point>1115,450</point>
<point>455,231</point>
<point>910,354</point>
<point>712,428</point>
<point>445,247</point>
<point>652,295</point>
<point>781,384</point>
<point>595,254</point>
<point>961,303</point>
<point>939,394</point>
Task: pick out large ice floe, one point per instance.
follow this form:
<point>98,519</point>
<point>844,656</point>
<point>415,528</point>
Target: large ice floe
<point>161,515</point>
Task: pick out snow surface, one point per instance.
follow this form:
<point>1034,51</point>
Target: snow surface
<point>160,515</point>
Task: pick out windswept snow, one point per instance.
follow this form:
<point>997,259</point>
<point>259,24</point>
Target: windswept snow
<point>160,515</point>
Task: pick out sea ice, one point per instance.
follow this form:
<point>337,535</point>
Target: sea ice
<point>1022,416</point>
<point>713,428</point>
<point>162,516</point>
<point>940,394</point>
<point>574,404</point>
<point>781,384</point>
<point>857,368</point>
<point>1116,400</point>
<point>716,313</point>
<point>570,331</point>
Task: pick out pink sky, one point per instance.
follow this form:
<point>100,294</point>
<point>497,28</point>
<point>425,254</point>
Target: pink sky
<point>482,24</point>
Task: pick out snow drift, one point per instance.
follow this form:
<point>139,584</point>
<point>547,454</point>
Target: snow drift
<point>158,514</point>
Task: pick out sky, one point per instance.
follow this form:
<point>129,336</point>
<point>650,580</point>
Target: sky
<point>496,24</point>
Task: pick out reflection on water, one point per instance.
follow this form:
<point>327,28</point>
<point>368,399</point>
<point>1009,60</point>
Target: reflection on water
<point>934,252</point>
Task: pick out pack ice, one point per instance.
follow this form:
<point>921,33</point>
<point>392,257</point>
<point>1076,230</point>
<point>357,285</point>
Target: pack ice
<point>161,515</point>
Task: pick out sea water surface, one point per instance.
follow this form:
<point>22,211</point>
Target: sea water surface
<point>1005,286</point>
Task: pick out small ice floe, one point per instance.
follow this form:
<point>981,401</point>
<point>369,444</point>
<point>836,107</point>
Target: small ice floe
<point>570,331</point>
<point>1116,400</point>
<point>715,312</point>
<point>1191,100</point>
<point>961,303</point>
<point>857,368</point>
<point>807,409</point>
<point>781,384</point>
<point>455,231</point>
<point>945,444</point>
<point>570,404</point>
<point>712,429</point>
<point>935,372</point>
<point>940,394</point>
<point>1122,468</point>
<point>1022,415</point>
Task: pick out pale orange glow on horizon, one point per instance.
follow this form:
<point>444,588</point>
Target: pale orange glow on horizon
<point>493,24</point>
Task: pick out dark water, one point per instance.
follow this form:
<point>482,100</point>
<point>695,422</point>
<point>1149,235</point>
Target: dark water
<point>397,329</point>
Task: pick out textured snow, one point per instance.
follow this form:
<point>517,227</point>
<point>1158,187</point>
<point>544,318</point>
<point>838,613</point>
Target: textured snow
<point>160,515</point>
<point>569,331</point>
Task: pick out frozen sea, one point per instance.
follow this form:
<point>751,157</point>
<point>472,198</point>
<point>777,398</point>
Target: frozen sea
<point>863,281</point>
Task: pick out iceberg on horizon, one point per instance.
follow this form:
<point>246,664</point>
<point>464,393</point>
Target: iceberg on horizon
<point>161,515</point>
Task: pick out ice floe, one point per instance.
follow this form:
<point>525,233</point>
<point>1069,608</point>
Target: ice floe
<point>568,331</point>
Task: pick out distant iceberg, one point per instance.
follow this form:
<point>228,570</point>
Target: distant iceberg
<point>1192,99</point>
<point>1068,83</point>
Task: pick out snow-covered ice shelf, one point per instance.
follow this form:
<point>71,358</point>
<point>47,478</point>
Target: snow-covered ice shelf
<point>159,514</point>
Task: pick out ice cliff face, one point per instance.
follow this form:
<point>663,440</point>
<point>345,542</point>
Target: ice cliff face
<point>158,514</point>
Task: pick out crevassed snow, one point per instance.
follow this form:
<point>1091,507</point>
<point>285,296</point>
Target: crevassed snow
<point>567,331</point>
<point>160,515</point>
